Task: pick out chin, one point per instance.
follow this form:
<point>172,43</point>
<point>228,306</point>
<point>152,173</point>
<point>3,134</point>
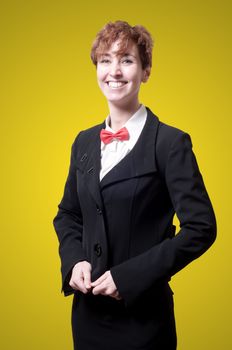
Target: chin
<point>116,100</point>
<point>116,97</point>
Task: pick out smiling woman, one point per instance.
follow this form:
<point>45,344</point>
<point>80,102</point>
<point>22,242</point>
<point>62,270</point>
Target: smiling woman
<point>120,75</point>
<point>128,177</point>
<point>123,57</point>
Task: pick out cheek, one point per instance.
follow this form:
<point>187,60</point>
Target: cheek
<point>135,76</point>
<point>136,82</point>
<point>99,78</point>
<point>100,74</point>
<point>100,82</point>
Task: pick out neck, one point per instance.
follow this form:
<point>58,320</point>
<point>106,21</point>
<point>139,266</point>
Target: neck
<point>119,115</point>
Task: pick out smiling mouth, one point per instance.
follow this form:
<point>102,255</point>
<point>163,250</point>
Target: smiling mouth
<point>116,84</point>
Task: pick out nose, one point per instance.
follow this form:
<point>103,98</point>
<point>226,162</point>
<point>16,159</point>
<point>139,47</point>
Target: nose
<point>115,69</point>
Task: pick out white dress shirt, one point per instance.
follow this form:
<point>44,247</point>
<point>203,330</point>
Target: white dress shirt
<point>113,152</point>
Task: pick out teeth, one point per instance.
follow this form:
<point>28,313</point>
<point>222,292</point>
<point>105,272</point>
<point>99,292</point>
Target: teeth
<point>116,84</point>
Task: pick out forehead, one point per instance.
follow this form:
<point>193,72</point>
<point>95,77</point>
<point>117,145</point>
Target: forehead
<point>120,48</point>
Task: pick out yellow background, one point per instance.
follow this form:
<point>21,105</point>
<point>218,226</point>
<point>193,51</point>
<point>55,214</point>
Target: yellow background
<point>48,94</point>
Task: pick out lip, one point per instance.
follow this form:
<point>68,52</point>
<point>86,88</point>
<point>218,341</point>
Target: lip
<point>115,83</point>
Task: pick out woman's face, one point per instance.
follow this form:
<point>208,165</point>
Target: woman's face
<point>120,76</point>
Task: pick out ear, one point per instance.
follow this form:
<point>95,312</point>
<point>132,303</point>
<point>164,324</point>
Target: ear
<point>146,74</point>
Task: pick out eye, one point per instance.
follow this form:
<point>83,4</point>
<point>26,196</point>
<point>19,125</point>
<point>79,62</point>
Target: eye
<point>104,60</point>
<point>127,61</point>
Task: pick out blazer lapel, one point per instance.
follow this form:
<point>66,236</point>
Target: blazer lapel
<point>89,163</point>
<point>144,155</point>
<point>141,159</point>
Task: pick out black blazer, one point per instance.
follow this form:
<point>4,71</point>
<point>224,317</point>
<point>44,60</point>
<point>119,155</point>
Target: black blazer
<point>158,178</point>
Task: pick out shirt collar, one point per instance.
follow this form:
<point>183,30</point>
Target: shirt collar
<point>134,125</point>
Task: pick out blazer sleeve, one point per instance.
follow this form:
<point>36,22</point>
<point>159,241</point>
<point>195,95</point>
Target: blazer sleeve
<point>197,227</point>
<point>68,226</point>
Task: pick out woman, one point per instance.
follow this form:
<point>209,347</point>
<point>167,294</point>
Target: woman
<point>128,177</point>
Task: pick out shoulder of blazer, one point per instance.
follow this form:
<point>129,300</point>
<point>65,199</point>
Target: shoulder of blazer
<point>166,136</point>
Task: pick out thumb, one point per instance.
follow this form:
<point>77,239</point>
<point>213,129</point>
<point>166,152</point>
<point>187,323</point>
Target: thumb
<point>87,279</point>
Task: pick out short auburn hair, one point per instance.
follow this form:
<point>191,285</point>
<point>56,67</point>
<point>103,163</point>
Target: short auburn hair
<point>121,30</point>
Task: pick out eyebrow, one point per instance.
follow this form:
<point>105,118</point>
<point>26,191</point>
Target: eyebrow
<point>115,52</point>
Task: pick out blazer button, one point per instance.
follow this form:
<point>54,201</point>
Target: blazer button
<point>99,211</point>
<point>97,249</point>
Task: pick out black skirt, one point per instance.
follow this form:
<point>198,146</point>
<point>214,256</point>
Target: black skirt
<point>103,323</point>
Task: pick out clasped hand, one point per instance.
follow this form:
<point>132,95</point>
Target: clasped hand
<point>81,280</point>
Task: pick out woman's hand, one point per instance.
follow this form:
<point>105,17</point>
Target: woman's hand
<point>105,285</point>
<point>81,277</point>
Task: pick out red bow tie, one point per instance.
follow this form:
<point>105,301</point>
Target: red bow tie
<point>107,136</point>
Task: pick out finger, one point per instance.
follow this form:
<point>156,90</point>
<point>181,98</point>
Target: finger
<point>86,271</point>
<point>96,290</point>
<point>78,284</point>
<point>99,280</point>
<point>100,289</point>
<point>81,284</point>
<point>104,288</point>
<point>87,279</point>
